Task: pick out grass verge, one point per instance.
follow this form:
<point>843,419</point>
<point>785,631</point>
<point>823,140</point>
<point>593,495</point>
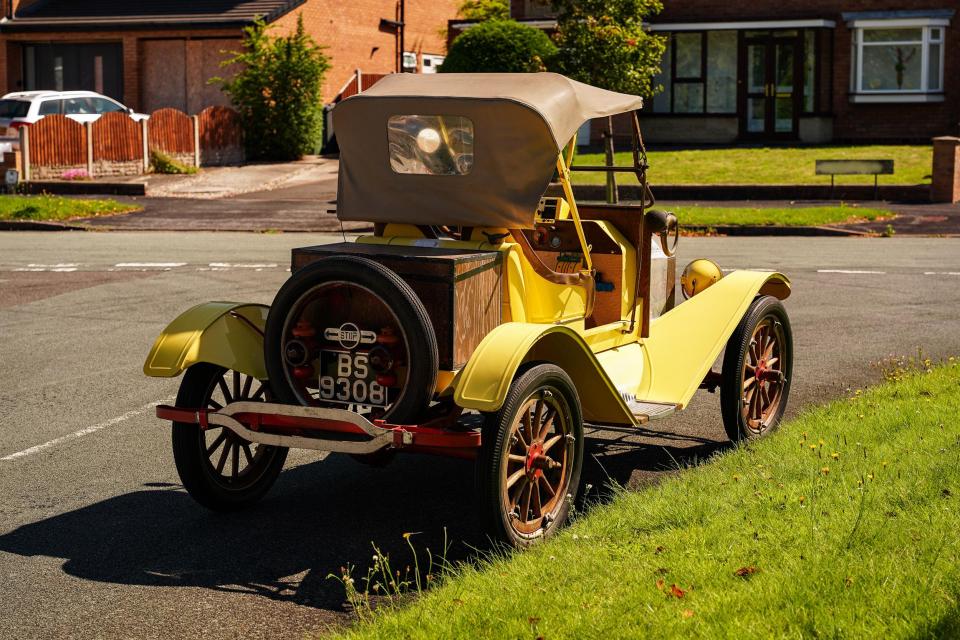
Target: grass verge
<point>776,216</point>
<point>842,524</point>
<point>46,207</point>
<point>774,165</point>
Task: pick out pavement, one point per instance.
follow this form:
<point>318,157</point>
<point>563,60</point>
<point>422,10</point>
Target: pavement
<point>292,197</point>
<point>98,539</point>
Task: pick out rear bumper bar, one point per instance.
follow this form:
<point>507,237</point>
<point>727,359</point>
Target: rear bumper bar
<point>324,429</point>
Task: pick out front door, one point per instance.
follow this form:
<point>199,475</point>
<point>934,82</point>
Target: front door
<point>770,94</point>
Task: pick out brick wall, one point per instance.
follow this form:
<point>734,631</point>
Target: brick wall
<point>880,122</point>
<point>855,122</point>
<point>945,186</point>
<point>133,81</point>
<point>351,33</point>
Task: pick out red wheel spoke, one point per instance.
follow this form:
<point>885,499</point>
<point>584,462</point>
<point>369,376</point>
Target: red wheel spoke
<point>216,442</point>
<point>537,504</point>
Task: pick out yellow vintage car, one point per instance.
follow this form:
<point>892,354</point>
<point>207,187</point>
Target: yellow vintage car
<point>488,315</point>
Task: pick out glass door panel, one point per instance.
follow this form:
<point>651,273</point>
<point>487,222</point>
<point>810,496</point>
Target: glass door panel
<point>770,97</point>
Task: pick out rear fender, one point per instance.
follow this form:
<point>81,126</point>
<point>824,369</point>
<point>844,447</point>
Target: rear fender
<point>484,382</point>
<point>686,341</point>
<point>228,334</point>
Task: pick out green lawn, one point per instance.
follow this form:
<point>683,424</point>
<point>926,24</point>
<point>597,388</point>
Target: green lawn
<point>47,207</point>
<point>841,525</point>
<point>778,165</point>
<point>780,216</point>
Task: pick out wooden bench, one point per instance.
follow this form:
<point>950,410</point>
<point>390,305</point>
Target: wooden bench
<point>835,168</point>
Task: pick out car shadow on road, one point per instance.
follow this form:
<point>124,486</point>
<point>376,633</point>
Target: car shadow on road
<point>321,516</point>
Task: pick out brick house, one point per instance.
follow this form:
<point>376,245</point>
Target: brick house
<point>812,71</point>
<point>161,53</point>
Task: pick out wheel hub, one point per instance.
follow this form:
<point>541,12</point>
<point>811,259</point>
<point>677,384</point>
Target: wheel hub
<point>536,461</point>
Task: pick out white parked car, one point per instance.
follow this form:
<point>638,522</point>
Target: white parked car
<point>27,107</point>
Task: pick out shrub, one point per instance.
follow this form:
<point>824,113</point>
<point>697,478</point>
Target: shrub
<point>277,92</point>
<point>499,46</point>
<point>162,163</point>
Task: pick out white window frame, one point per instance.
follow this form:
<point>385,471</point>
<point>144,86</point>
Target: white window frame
<point>927,26</point>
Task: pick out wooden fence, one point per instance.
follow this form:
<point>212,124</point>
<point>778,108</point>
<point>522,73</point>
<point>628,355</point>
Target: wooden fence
<point>116,144</point>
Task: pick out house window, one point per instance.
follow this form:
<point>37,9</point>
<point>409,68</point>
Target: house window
<point>698,73</point>
<point>897,59</point>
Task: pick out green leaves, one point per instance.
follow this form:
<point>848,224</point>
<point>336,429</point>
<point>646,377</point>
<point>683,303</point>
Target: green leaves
<point>603,43</point>
<point>277,91</point>
<point>499,46</point>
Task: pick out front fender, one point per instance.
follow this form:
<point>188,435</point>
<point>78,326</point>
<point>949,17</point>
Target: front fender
<point>686,341</point>
<point>483,384</point>
<point>228,334</point>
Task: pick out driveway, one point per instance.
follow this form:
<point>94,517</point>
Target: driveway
<point>292,196</point>
<point>97,538</point>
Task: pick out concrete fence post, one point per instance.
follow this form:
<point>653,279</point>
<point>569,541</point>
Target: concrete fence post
<point>145,141</point>
<point>196,140</point>
<point>88,132</point>
<point>945,186</point>
<point>25,152</point>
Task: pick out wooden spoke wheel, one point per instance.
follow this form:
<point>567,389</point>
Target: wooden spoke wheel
<point>757,367</point>
<point>529,464</point>
<point>221,470</point>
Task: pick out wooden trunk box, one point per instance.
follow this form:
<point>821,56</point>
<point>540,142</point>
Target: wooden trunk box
<point>460,289</point>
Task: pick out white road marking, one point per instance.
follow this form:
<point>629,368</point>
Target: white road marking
<point>941,273</point>
<point>228,265</point>
<point>863,271</point>
<point>150,265</point>
<point>59,267</point>
<point>85,431</point>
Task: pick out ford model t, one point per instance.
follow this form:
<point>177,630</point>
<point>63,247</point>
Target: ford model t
<point>488,315</point>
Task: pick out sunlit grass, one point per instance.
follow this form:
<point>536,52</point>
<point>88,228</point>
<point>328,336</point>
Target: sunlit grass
<point>842,524</point>
<point>773,165</point>
<point>47,207</point>
<point>780,216</point>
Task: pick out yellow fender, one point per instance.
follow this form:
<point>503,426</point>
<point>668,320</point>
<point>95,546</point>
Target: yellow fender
<point>686,341</point>
<point>483,384</point>
<point>228,334</point>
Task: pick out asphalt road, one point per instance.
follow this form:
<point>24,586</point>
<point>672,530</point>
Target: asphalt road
<point>97,539</point>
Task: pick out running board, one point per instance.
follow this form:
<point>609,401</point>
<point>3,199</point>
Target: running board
<point>646,411</point>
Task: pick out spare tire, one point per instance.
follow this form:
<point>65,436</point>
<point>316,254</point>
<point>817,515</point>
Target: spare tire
<point>347,332</point>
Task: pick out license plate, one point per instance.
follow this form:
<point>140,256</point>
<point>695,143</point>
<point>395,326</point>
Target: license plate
<point>347,378</point>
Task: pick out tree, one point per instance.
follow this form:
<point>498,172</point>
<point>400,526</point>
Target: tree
<point>483,10</point>
<point>499,46</point>
<point>603,43</point>
<point>277,91</point>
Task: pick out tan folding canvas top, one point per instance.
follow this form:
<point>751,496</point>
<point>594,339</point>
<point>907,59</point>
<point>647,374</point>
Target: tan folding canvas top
<point>519,122</point>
